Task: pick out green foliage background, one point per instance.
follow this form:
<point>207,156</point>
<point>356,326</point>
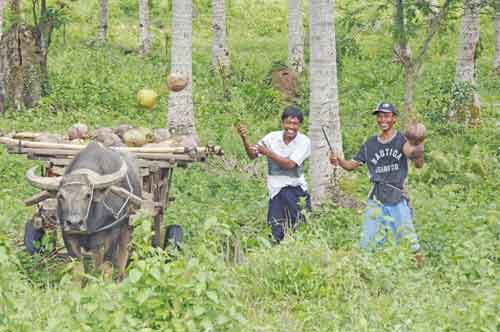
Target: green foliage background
<point>317,280</point>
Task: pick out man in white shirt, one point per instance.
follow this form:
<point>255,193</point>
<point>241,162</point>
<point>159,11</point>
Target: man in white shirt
<point>286,151</point>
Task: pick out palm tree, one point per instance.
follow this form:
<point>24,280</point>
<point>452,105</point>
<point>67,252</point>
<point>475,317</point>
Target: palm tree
<point>465,74</point>
<point>144,35</point>
<point>220,51</point>
<point>180,118</point>
<point>103,20</point>
<point>295,35</point>
<point>324,108</point>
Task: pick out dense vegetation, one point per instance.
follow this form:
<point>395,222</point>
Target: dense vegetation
<point>318,279</point>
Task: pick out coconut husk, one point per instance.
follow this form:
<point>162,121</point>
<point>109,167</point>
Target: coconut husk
<point>415,132</point>
<point>108,139</point>
<point>134,138</point>
<point>148,133</point>
<point>78,130</point>
<point>121,129</point>
<point>177,81</point>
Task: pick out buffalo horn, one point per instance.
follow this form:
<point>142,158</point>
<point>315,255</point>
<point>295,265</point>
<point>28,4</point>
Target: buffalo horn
<point>42,182</point>
<point>104,181</point>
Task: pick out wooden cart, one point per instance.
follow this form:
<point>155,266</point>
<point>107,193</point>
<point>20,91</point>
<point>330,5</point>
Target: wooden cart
<point>156,167</point>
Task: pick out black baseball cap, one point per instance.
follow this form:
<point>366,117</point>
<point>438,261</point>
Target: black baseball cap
<point>385,108</point>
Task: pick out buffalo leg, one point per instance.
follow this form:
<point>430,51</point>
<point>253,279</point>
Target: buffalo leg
<point>121,254</point>
<point>99,255</point>
<point>74,249</point>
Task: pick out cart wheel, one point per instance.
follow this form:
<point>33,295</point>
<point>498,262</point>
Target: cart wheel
<point>173,236</point>
<point>32,235</point>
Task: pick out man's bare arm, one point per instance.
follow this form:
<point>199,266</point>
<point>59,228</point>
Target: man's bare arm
<point>348,165</point>
<point>251,150</point>
<point>282,162</point>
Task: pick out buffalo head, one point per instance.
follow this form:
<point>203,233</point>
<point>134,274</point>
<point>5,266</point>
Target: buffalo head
<point>75,192</point>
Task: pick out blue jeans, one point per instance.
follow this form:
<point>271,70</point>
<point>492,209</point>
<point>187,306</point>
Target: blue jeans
<point>379,218</point>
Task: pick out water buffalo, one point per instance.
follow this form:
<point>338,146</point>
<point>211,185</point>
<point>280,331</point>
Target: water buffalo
<point>92,208</point>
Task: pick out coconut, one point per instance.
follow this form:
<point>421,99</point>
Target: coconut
<point>110,140</point>
<point>415,132</point>
<point>161,134</point>
<point>102,131</point>
<point>147,98</point>
<point>148,133</point>
<point>78,130</point>
<point>107,137</point>
<point>177,81</point>
<point>134,138</point>
<point>49,138</point>
<point>121,129</point>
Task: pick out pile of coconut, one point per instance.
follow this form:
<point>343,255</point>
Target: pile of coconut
<point>123,135</point>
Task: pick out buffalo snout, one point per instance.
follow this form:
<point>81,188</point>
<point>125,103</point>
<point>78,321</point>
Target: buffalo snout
<point>74,223</point>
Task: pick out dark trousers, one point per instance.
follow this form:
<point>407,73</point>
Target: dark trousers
<point>284,210</point>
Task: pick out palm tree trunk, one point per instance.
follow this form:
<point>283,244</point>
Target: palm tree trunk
<point>496,61</point>
<point>466,66</point>
<point>180,118</point>
<point>324,108</point>
<point>220,51</point>
<point>144,35</point>
<point>103,20</point>
<point>296,35</point>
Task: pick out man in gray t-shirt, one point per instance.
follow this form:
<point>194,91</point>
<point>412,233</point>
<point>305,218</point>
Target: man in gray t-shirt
<point>386,156</point>
<point>286,151</point>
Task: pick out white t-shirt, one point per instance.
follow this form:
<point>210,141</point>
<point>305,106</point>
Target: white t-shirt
<point>297,150</point>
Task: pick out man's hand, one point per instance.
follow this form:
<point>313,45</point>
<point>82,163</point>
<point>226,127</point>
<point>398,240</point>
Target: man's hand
<point>263,149</point>
<point>348,165</point>
<point>251,150</point>
<point>413,151</point>
<point>334,159</point>
<point>242,130</point>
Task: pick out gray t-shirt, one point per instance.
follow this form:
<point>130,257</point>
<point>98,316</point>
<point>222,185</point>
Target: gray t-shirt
<point>387,167</point>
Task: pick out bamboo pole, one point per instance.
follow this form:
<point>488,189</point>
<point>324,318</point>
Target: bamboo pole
<point>61,146</point>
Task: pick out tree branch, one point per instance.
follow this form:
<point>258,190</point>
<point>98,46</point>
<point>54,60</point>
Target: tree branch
<point>434,27</point>
<point>399,24</point>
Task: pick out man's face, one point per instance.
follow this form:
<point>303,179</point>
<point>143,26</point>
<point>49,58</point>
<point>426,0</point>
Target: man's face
<point>291,127</point>
<point>386,121</point>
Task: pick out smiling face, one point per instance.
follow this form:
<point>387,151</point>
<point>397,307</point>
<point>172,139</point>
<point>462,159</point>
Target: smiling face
<point>386,121</point>
<point>291,126</point>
